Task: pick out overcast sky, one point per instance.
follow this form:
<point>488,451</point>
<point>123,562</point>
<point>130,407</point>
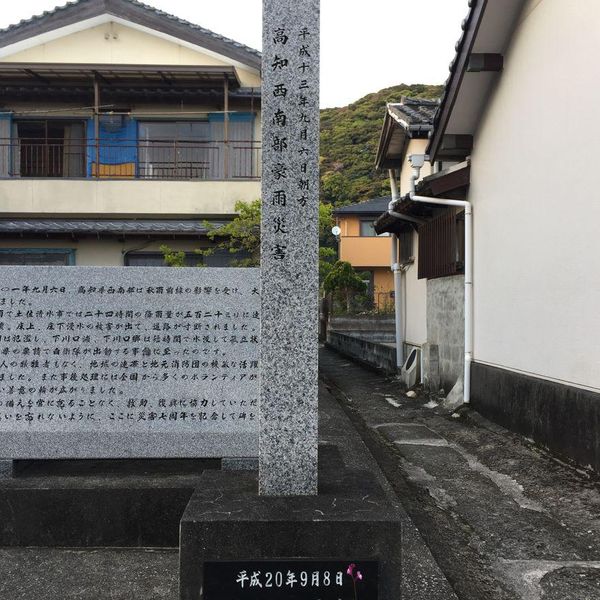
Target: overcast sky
<point>367,45</point>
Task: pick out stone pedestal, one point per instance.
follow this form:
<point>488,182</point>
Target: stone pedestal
<point>7,469</point>
<point>351,520</point>
<point>431,367</point>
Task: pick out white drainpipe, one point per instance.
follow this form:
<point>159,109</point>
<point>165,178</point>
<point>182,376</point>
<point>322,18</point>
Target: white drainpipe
<point>417,161</point>
<point>397,270</point>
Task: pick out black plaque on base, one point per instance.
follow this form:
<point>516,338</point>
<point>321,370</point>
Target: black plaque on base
<point>292,579</point>
<point>227,522</point>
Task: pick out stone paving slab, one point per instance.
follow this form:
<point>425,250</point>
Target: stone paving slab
<point>101,574</point>
<point>502,518</point>
<point>552,580</point>
<point>136,573</point>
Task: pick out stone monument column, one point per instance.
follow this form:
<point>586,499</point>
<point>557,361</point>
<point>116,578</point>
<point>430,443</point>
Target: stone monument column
<point>290,240</point>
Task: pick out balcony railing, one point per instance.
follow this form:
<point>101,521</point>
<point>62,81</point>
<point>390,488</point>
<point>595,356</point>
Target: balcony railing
<point>129,159</point>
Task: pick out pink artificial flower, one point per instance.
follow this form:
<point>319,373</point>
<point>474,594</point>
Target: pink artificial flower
<point>350,570</point>
<point>359,575</point>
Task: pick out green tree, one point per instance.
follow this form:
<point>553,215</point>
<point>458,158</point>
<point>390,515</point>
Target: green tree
<point>239,236</point>
<point>327,258</point>
<point>173,258</point>
<point>343,281</point>
<point>242,235</point>
<point>349,140</point>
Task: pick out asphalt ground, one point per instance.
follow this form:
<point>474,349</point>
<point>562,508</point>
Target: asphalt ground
<point>503,519</point>
<point>152,573</point>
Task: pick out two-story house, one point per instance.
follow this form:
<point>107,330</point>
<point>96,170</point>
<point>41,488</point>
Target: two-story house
<point>122,128</point>
<point>521,205</point>
<point>366,251</point>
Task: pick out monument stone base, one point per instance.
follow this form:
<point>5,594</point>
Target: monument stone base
<point>97,503</point>
<point>7,469</point>
<point>228,533</point>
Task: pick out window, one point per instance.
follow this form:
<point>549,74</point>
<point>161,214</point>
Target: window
<point>35,256</point>
<point>368,278</point>
<point>157,259</point>
<point>176,150</point>
<point>367,229</point>
<point>220,258</point>
<point>405,239</point>
<point>441,245</point>
<point>196,149</point>
<point>49,148</point>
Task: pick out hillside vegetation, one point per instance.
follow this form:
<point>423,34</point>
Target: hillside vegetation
<point>349,139</point>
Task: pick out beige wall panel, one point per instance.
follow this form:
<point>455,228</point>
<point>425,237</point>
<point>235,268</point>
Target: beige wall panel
<point>536,215</point>
<point>130,47</point>
<point>16,195</point>
<point>70,197</point>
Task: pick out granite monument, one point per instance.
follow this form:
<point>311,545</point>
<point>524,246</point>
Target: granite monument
<point>102,362</point>
<point>290,242</point>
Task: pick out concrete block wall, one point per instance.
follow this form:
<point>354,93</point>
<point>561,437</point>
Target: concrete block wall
<point>445,326</point>
<point>363,323</point>
<point>368,352</point>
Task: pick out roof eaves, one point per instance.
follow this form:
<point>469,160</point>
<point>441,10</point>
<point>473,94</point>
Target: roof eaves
<point>106,227</point>
<point>392,113</point>
<point>370,207</point>
<point>384,140</point>
<point>464,46</point>
<point>146,15</point>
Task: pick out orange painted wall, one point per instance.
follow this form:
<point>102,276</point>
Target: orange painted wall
<point>362,251</point>
<point>383,283</point>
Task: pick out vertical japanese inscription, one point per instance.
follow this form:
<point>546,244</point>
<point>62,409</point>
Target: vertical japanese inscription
<point>289,297</point>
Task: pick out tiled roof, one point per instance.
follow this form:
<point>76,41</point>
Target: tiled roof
<point>459,46</point>
<point>374,206</point>
<point>412,118</point>
<point>112,7</point>
<point>107,227</point>
<point>414,111</point>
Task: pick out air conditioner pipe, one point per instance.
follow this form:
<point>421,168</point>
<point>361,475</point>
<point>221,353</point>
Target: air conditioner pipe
<point>417,161</point>
<point>397,271</point>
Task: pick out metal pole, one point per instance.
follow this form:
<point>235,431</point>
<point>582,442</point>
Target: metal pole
<point>397,271</point>
<point>97,124</point>
<point>417,162</point>
<point>226,128</point>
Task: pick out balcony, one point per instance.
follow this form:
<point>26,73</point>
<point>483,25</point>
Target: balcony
<point>148,159</point>
<point>365,251</point>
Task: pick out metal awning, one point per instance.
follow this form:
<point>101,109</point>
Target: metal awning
<point>145,76</point>
<point>451,183</point>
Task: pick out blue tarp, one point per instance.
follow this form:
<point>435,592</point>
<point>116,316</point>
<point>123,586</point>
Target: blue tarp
<point>117,147</point>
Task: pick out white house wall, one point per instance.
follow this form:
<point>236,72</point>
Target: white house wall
<point>415,304</point>
<point>415,146</point>
<point>536,212</point>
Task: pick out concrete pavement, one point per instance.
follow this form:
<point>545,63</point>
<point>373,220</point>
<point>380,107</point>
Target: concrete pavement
<point>502,519</point>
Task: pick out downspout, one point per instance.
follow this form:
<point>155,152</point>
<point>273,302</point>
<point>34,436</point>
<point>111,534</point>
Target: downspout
<point>397,271</point>
<point>417,161</point>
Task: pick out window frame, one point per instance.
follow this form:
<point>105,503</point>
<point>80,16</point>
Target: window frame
<point>441,245</point>
<point>68,252</point>
<point>370,222</point>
